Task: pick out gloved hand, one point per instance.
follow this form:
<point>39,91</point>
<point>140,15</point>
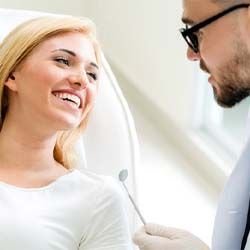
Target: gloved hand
<point>157,237</point>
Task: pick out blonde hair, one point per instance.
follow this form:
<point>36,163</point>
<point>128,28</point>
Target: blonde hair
<point>19,44</point>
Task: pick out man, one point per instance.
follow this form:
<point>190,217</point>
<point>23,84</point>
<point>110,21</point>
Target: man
<point>218,36</point>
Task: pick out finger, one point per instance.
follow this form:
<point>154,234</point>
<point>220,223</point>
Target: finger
<point>142,238</point>
<point>149,242</point>
<point>166,232</point>
<point>139,236</point>
<point>158,230</point>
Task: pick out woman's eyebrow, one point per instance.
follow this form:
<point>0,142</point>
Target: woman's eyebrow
<point>94,65</point>
<point>65,50</point>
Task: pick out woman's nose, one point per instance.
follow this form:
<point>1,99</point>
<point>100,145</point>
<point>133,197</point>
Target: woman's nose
<point>193,56</point>
<point>79,80</point>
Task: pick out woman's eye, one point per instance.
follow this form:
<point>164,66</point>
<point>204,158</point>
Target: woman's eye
<point>92,75</point>
<point>62,60</point>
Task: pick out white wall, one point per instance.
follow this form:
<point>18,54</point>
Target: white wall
<point>57,6</point>
<point>141,38</point>
<point>142,41</point>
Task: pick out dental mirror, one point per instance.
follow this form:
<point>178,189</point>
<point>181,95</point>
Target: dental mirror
<point>122,177</point>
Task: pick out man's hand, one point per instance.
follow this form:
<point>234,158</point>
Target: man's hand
<point>157,237</point>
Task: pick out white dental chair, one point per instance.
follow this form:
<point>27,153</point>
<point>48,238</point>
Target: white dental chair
<point>110,142</point>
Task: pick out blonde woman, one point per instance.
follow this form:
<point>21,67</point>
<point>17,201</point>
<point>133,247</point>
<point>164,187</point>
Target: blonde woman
<point>49,72</point>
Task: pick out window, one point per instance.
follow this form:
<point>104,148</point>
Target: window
<point>227,127</point>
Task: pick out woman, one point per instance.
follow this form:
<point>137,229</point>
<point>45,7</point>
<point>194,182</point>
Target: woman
<point>48,82</point>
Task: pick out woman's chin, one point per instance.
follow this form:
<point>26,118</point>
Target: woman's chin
<point>63,124</point>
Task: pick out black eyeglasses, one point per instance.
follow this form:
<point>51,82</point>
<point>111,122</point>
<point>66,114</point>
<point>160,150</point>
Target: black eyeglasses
<point>190,35</point>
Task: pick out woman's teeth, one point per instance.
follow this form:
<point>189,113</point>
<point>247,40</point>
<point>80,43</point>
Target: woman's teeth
<point>69,97</point>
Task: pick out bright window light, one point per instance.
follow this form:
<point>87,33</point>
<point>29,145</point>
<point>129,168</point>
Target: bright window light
<point>227,126</point>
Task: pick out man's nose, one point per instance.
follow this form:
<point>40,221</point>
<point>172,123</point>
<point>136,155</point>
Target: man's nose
<point>193,56</point>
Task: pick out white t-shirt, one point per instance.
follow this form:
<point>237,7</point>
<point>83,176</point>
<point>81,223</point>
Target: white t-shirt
<point>78,211</point>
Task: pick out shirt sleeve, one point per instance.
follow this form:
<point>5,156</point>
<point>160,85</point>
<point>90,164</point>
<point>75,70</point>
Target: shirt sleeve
<point>108,228</point>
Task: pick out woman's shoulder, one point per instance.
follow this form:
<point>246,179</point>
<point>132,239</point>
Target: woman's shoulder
<point>91,178</point>
<point>107,186</point>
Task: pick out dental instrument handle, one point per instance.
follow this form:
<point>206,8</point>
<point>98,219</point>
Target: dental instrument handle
<point>135,206</point>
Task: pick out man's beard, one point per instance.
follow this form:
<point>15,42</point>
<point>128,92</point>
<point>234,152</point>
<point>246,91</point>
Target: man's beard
<point>233,79</point>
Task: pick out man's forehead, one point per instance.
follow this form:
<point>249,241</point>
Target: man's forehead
<point>197,10</point>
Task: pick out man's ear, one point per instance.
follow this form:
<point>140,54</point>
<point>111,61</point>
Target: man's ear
<point>11,82</point>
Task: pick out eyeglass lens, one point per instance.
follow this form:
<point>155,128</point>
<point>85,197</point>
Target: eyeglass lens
<point>192,40</point>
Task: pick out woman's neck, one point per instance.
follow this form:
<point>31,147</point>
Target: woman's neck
<point>24,149</point>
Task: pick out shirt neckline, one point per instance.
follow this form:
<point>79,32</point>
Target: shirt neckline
<point>51,184</point>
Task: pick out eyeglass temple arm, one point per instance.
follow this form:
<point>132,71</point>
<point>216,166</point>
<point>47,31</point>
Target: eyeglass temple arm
<point>210,20</point>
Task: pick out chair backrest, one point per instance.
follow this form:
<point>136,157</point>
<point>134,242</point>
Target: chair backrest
<point>109,143</point>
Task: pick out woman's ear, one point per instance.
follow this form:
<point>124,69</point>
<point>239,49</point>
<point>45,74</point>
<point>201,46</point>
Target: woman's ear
<point>12,77</point>
<point>11,83</point>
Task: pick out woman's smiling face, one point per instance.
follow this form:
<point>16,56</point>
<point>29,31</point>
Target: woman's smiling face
<point>56,84</point>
